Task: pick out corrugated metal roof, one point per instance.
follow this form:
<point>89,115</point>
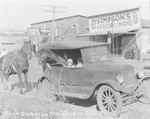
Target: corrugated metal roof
<point>105,33</point>
<point>13,34</point>
<point>9,39</point>
<point>113,12</point>
<point>58,19</point>
<point>70,45</point>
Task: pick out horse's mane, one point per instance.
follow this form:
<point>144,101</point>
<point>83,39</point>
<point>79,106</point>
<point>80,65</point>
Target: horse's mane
<point>47,55</point>
<point>25,48</point>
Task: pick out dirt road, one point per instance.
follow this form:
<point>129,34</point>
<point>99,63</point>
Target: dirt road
<point>28,106</point>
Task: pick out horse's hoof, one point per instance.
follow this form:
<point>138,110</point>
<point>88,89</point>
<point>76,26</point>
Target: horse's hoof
<point>27,90</point>
<point>9,88</point>
<point>21,92</point>
<point>1,88</point>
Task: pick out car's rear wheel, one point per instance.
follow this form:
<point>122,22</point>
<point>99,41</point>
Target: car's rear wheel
<point>109,101</point>
<point>45,91</point>
<point>145,98</point>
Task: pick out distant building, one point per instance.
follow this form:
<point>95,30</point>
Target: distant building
<point>12,39</point>
<point>65,29</point>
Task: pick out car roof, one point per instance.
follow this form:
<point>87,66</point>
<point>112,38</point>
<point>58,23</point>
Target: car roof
<point>66,45</point>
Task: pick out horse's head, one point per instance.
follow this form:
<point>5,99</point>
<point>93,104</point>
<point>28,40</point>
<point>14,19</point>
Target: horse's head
<point>42,55</point>
<point>48,56</point>
<point>27,50</point>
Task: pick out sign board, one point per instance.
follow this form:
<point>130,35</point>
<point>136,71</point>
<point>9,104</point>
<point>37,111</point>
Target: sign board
<point>37,34</point>
<point>116,22</point>
<point>32,31</point>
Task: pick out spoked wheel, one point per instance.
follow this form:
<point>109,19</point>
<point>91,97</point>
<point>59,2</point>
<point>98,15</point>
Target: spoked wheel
<point>45,91</point>
<point>109,101</point>
<point>145,97</point>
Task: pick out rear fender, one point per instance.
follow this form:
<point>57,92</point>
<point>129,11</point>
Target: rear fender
<point>40,80</point>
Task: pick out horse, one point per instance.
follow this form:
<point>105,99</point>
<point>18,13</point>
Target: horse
<point>16,63</point>
<point>47,56</point>
<point>49,83</point>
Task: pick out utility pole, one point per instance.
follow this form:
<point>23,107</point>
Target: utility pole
<point>149,13</point>
<point>53,23</point>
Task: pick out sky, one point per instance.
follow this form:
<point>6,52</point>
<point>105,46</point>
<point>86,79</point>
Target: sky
<point>19,14</point>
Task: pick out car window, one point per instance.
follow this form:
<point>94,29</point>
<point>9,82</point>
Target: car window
<point>99,58</point>
<point>73,55</point>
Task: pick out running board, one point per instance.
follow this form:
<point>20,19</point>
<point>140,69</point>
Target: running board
<point>80,96</point>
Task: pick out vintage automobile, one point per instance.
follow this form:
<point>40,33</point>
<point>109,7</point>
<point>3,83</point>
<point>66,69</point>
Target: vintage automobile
<point>99,78</point>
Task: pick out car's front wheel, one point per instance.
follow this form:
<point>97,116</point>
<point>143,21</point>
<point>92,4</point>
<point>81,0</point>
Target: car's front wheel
<point>45,91</point>
<point>109,101</point>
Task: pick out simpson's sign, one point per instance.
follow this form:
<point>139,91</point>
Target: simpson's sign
<point>116,22</point>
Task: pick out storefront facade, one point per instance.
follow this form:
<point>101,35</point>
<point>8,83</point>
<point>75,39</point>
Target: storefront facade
<point>120,27</point>
<point>124,30</point>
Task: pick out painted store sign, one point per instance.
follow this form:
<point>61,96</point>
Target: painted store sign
<point>115,22</point>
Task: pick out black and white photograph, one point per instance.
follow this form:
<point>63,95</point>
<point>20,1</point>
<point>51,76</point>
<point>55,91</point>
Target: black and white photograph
<point>74,59</point>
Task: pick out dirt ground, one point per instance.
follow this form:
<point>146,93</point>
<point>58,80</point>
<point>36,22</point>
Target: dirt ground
<point>28,106</point>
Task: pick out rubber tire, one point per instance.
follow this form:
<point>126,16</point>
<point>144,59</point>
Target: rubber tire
<point>118,97</point>
<point>45,91</point>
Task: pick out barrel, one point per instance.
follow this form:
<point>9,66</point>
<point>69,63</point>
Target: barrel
<point>128,54</point>
<point>136,54</point>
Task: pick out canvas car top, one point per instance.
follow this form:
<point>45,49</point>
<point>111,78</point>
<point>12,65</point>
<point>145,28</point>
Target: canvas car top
<point>70,45</point>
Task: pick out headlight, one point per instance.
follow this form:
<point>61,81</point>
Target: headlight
<point>140,74</point>
<point>120,79</point>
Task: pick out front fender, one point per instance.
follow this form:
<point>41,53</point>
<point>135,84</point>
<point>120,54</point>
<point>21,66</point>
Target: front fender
<point>141,80</point>
<point>145,78</point>
<point>115,85</point>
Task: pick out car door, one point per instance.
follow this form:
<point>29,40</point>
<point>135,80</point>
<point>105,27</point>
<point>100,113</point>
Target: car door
<point>77,76</point>
<point>73,80</point>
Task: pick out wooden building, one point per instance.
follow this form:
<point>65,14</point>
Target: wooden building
<point>64,29</point>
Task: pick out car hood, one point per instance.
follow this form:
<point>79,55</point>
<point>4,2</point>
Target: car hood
<point>109,68</point>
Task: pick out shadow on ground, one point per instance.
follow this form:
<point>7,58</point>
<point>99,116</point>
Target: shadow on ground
<point>30,85</point>
<point>80,102</point>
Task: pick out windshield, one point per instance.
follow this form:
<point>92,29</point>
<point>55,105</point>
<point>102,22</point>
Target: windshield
<point>95,54</point>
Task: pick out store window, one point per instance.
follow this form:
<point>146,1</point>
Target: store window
<point>57,31</point>
<point>74,29</point>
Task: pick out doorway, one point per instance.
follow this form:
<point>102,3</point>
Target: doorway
<point>117,45</point>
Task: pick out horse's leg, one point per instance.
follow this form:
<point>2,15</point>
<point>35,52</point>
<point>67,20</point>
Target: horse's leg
<point>2,85</point>
<point>26,80</point>
<point>8,82</point>
<point>20,82</point>
<point>7,74</point>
